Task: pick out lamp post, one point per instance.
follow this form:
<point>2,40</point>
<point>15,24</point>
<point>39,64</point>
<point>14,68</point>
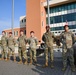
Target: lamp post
<point>12,25</point>
<point>48,12</point>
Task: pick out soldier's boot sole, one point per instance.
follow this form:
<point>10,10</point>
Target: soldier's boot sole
<point>20,62</point>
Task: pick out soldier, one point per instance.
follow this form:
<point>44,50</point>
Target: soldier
<point>67,39</point>
<point>11,46</point>
<point>48,37</point>
<point>22,41</point>
<point>33,42</point>
<point>4,46</point>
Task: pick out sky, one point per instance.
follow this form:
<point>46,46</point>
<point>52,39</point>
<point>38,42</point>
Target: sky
<point>6,13</point>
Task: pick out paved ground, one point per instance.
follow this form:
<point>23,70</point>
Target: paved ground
<point>11,68</point>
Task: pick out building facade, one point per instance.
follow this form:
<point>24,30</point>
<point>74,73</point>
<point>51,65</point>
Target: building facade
<point>22,21</point>
<point>35,17</point>
<point>61,11</point>
<point>17,30</point>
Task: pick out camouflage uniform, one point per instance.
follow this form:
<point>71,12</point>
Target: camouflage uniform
<point>11,47</point>
<point>4,46</point>
<point>48,38</point>
<point>22,47</point>
<point>67,39</point>
<point>32,41</point>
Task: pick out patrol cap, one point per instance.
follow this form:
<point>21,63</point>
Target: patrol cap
<point>3,32</point>
<point>10,32</point>
<point>66,26</point>
<point>32,32</point>
<point>47,26</point>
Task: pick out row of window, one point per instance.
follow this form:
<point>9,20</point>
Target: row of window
<point>62,18</point>
<point>24,20</point>
<point>16,33</point>
<point>62,8</point>
<point>62,28</point>
<point>59,32</point>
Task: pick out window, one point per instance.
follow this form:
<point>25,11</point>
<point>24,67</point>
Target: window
<point>62,8</point>
<point>22,21</point>
<point>73,30</point>
<point>16,33</point>
<point>25,32</point>
<point>69,7</point>
<point>63,18</point>
<point>72,6</point>
<point>52,20</point>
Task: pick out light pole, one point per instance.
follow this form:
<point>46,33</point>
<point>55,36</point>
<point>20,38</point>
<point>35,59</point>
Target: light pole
<point>48,12</point>
<point>12,25</point>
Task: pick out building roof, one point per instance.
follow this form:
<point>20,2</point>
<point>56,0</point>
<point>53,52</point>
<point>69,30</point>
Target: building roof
<point>53,3</point>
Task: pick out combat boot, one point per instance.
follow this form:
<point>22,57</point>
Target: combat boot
<point>64,68</point>
<point>20,62</point>
<point>35,61</point>
<point>30,62</point>
<point>2,58</point>
<point>73,69</point>
<point>46,65</point>
<point>6,59</point>
<point>52,65</point>
<point>25,63</point>
<point>14,60</point>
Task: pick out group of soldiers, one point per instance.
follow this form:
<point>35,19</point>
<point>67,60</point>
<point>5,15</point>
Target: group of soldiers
<point>8,47</point>
<point>66,38</point>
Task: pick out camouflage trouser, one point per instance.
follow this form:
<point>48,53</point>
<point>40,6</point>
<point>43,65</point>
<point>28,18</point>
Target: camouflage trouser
<point>22,53</point>
<point>49,50</point>
<point>11,48</point>
<point>33,54</point>
<point>68,54</point>
<point>4,52</point>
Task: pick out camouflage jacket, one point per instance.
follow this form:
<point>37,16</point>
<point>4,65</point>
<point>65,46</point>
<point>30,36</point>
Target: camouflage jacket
<point>67,39</point>
<point>22,40</point>
<point>33,42</point>
<point>3,41</point>
<point>48,38</point>
<point>11,41</point>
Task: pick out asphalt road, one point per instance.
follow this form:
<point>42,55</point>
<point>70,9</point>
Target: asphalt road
<point>13,68</point>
